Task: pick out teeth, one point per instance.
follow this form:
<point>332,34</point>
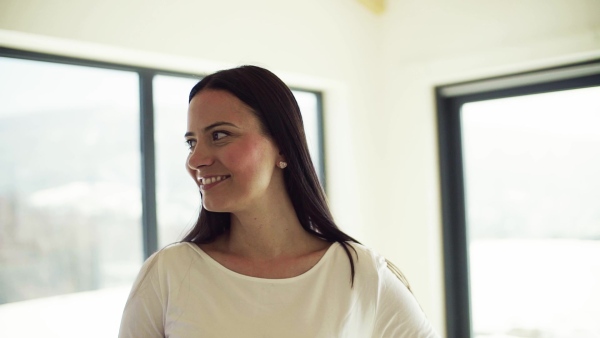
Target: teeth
<point>210,180</point>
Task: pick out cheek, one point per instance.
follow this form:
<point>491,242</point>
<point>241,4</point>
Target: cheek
<point>251,159</point>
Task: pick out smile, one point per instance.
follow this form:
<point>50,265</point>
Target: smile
<point>204,181</point>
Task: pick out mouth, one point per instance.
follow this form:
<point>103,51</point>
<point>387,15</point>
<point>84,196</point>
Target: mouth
<point>207,182</point>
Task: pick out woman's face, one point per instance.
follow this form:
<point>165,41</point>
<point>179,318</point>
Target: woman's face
<point>231,159</point>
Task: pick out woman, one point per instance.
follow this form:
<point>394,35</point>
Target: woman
<point>265,258</point>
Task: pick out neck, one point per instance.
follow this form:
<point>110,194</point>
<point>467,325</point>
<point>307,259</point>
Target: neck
<point>267,234</point>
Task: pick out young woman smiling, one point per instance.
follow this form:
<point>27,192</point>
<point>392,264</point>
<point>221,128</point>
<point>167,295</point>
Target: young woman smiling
<point>265,258</point>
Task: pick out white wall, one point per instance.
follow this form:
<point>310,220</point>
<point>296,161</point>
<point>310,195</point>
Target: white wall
<point>378,74</point>
<point>432,42</point>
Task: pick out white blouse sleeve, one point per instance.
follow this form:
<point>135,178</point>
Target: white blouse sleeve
<point>143,315</point>
<point>398,313</point>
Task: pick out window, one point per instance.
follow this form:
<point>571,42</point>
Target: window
<point>70,216</point>
<point>520,191</point>
<point>80,204</point>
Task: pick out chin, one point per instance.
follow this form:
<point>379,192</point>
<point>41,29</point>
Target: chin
<point>216,207</point>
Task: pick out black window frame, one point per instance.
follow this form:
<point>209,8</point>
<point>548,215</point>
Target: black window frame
<point>449,100</point>
<point>146,122</point>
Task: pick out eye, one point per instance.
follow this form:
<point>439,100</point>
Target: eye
<point>190,144</point>
<point>217,135</point>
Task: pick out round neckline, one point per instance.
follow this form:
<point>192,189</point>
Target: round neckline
<point>228,271</point>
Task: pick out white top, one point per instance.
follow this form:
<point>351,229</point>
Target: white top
<point>182,292</point>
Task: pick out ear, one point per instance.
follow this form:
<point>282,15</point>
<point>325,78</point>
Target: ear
<point>281,157</point>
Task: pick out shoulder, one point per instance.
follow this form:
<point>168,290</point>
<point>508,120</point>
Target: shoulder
<point>144,312</point>
<point>397,313</point>
<point>178,248</point>
<point>164,265</point>
<point>177,251</point>
<point>367,260</point>
<point>378,263</point>
<point>363,251</point>
<point>173,257</point>
<point>167,261</point>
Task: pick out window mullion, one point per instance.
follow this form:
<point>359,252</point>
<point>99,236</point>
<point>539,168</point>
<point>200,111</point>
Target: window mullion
<point>149,224</point>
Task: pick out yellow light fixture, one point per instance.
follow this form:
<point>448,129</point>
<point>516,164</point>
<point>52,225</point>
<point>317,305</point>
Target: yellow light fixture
<point>376,6</point>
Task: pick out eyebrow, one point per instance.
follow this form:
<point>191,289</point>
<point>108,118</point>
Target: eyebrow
<point>214,125</point>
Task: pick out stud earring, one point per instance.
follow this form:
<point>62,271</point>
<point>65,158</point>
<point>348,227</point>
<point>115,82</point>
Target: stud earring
<point>282,164</point>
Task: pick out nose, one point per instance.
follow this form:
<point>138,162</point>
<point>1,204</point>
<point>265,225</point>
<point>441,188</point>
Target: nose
<point>199,157</point>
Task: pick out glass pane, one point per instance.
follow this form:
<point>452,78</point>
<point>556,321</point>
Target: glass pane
<point>177,196</point>
<point>178,200</point>
<point>309,107</point>
<point>70,208</point>
<point>533,216</point>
